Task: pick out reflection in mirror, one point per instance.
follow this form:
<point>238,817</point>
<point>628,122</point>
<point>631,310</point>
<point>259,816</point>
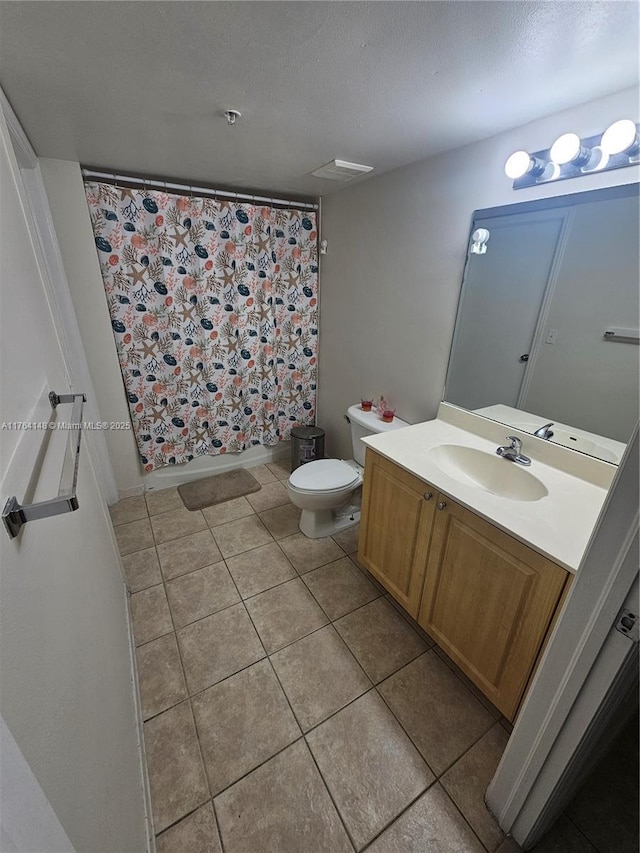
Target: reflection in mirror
<point>546,337</point>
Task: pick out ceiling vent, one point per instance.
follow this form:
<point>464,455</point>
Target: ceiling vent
<point>341,170</point>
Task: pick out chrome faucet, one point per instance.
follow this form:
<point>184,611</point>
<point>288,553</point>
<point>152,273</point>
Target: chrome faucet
<point>512,451</point>
<point>544,431</point>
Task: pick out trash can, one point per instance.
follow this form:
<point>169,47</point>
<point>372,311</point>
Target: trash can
<point>307,444</point>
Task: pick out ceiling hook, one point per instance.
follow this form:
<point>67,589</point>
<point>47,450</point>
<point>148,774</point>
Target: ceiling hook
<point>231,116</point>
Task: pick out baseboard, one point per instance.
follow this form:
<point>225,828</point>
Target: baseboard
<point>146,788</point>
<point>130,492</point>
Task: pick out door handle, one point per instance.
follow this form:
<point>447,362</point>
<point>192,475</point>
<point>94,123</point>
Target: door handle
<point>524,357</point>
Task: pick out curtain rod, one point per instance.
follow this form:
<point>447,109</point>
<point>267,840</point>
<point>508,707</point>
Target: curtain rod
<point>112,177</point>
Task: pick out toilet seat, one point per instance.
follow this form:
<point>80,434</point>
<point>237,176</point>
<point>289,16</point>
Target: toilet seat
<point>324,475</point>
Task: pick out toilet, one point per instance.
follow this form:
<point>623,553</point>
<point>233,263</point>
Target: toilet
<point>328,490</point>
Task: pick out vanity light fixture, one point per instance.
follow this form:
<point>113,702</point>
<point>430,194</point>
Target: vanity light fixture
<point>571,157</point>
<point>479,240</point>
<point>621,137</point>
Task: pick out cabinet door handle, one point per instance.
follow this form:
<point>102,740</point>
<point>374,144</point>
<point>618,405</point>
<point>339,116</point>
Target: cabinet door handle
<point>427,496</point>
<point>442,504</point>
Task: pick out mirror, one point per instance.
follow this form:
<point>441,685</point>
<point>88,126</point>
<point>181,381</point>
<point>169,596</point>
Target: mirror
<point>546,336</point>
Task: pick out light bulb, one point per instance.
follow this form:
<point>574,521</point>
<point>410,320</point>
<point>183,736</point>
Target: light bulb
<point>517,165</point>
<point>619,137</point>
<point>565,149</point>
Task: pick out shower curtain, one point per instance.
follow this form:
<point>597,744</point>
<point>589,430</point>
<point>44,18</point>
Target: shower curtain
<point>213,306</point>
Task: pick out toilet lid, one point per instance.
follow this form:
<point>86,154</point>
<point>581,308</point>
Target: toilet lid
<point>323,475</point>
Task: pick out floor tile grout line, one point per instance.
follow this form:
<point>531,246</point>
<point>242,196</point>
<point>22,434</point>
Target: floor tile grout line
<point>328,790</point>
<point>130,521</point>
<point>401,666</point>
<point>275,586</point>
<point>166,541</point>
<point>397,817</point>
<point>195,621</point>
<point>359,607</point>
<point>439,652</point>
<point>408,618</point>
<point>466,820</point>
<point>579,828</point>
<point>324,566</point>
<point>281,583</point>
<point>467,750</point>
<point>184,817</point>
<point>203,768</point>
<point>199,569</point>
<point>437,775</point>
<point>257,767</point>
<point>337,711</point>
<point>435,649</point>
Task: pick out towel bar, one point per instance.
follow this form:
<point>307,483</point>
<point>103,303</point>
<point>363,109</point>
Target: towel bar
<point>627,336</point>
<point>14,515</point>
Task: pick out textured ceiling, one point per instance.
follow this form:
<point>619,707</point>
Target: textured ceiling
<point>139,86</point>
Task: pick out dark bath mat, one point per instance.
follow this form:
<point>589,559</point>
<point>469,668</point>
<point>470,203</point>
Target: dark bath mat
<point>217,489</point>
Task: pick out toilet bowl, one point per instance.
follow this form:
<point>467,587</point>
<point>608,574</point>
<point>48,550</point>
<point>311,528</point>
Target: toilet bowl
<point>325,491</point>
<point>328,491</point>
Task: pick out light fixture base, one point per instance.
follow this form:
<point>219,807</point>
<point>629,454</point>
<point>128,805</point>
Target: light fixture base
<point>232,115</point>
<point>590,159</point>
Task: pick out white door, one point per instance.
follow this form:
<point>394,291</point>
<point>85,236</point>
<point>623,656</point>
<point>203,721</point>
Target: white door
<point>502,294</point>
<point>582,673</point>
<point>66,689</point>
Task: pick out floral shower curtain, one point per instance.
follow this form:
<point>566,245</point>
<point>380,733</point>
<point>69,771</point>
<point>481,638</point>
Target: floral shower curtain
<point>214,312</point>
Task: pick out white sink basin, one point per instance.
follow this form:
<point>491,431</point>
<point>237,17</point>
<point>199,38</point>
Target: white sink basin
<point>494,474</point>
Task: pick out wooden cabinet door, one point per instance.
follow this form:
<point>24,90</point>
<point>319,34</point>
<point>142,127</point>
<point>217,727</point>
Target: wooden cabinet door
<point>488,602</point>
<point>395,529</point>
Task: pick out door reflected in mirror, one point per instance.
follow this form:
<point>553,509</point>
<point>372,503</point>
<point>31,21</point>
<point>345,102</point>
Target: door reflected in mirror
<point>546,336</point>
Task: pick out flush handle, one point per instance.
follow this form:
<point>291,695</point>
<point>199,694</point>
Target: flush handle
<point>442,504</point>
<point>427,496</point>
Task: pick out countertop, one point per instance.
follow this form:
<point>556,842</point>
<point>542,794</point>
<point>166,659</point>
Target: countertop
<point>557,525</point>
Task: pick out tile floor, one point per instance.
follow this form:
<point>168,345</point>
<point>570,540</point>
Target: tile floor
<point>289,706</point>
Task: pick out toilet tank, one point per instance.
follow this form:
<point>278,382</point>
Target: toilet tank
<point>364,424</point>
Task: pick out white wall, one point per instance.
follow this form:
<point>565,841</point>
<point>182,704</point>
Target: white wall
<point>396,251</point>
<point>66,684</point>
<point>65,190</point>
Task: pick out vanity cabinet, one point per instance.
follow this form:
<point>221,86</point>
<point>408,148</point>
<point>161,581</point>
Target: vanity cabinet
<point>395,529</point>
<point>484,597</point>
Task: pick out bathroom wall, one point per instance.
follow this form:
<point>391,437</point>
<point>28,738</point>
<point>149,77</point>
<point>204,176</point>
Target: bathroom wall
<point>65,190</point>
<point>396,252</point>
